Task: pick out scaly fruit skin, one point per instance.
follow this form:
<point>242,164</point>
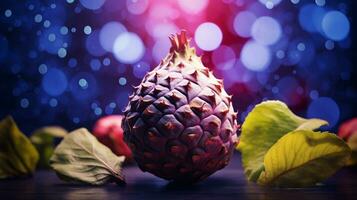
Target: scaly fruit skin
<point>108,130</point>
<point>180,122</point>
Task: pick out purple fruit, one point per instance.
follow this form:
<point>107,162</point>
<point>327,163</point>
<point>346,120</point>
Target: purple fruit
<point>180,123</point>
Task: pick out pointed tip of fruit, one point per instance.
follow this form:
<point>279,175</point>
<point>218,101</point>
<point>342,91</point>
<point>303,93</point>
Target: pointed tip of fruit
<point>178,41</point>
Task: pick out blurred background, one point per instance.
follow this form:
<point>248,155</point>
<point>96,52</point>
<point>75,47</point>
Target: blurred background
<point>70,62</point>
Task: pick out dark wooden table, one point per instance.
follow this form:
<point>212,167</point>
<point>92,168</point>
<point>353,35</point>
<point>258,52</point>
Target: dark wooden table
<point>228,183</point>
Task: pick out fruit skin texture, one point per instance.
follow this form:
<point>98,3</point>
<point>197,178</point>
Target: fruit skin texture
<point>180,122</point>
<point>109,132</point>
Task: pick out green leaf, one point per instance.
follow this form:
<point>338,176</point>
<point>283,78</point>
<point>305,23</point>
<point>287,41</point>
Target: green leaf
<point>81,157</point>
<point>43,139</point>
<point>18,157</point>
<point>303,158</point>
<point>263,127</point>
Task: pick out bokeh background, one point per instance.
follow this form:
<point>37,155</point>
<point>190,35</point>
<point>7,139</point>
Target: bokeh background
<point>70,62</point>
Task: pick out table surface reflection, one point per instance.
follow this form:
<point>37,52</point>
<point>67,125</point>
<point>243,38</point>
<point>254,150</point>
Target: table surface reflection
<point>228,183</point>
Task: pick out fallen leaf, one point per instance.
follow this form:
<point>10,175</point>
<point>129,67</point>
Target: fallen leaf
<point>81,157</point>
<point>18,157</point>
<point>262,128</point>
<point>303,158</point>
<point>43,139</point>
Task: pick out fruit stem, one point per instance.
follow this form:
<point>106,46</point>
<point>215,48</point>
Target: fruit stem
<point>179,42</point>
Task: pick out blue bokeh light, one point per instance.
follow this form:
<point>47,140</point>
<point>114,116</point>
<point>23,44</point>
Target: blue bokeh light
<point>8,13</point>
<point>106,61</point>
<point>95,64</point>
<point>46,23</point>
<point>83,83</point>
<point>53,102</point>
<point>128,48</point>
<point>109,32</point>
<point>64,30</point>
<point>98,111</point>
<point>24,103</point>
<point>62,52</point>
<point>92,4</point>
<point>324,108</point>
<point>255,57</point>
<point>51,40</point>
<point>122,81</point>
<point>54,82</point>
<point>266,30</point>
<point>83,86</point>
<point>335,25</point>
<point>243,22</point>
<point>38,18</point>
<point>87,30</point>
<point>270,3</point>
<point>137,7</point>
<point>208,36</point>
<point>42,69</point>
<point>314,94</point>
<point>320,2</point>
<point>310,17</point>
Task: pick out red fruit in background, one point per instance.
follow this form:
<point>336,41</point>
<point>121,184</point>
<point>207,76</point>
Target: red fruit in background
<point>109,132</point>
<point>348,131</point>
<point>348,128</point>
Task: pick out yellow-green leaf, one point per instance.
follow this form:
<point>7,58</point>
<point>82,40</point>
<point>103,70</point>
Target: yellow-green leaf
<point>303,158</point>
<point>352,141</point>
<point>312,124</point>
<point>265,125</point>
<point>81,157</point>
<point>43,139</point>
<point>18,157</point>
